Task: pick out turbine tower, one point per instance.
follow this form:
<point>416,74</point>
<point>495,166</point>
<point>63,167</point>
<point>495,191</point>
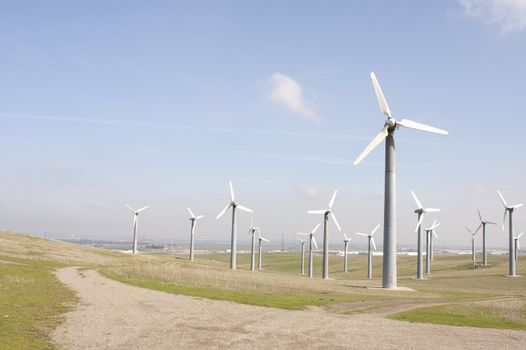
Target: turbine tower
<point>387,133</point>
<point>135,225</point>
<point>509,210</point>
<point>193,219</point>
<point>326,214</point>
<point>260,238</point>
<point>252,231</point>
<point>473,233</point>
<point>517,245</point>
<point>420,211</point>
<point>302,266</point>
<point>430,232</point>
<point>370,241</point>
<point>345,249</point>
<point>484,252</point>
<point>233,242</point>
<point>312,241</point>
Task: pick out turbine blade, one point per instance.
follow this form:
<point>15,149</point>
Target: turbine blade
<point>478,228</point>
<point>244,208</point>
<point>419,222</point>
<point>504,218</point>
<point>332,199</point>
<point>491,223</point>
<point>315,228</point>
<point>374,244</point>
<point>502,199</point>
<point>223,212</point>
<point>362,234</point>
<point>264,239</point>
<point>384,108</point>
<point>435,226</point>
<point>375,229</point>
<point>345,235</point>
<point>300,240</point>
<point>127,206</point>
<point>199,217</point>
<point>434,234</point>
<point>406,123</point>
<point>314,241</point>
<point>418,204</point>
<point>142,209</point>
<point>335,222</point>
<point>469,230</point>
<point>302,233</point>
<point>431,210</point>
<point>520,235</point>
<point>372,145</point>
<point>322,211</point>
<point>480,216</point>
<point>517,206</point>
<point>190,211</point>
<point>232,196</point>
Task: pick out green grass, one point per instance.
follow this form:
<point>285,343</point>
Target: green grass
<point>292,300</point>
<point>461,315</point>
<point>32,303</point>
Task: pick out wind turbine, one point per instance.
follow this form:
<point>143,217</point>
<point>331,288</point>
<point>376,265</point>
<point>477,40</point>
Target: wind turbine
<point>135,225</point>
<point>509,210</point>
<point>345,248</point>
<point>473,233</point>
<point>326,214</point>
<point>369,252</point>
<point>302,267</point>
<point>260,238</point>
<point>233,242</point>
<point>420,211</point>
<point>517,245</point>
<point>252,230</point>
<point>193,219</point>
<point>387,133</point>
<point>430,232</point>
<point>312,241</point>
<point>484,253</point>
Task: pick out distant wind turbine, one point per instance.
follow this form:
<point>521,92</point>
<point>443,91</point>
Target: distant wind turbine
<point>387,133</point>
<point>509,210</point>
<point>135,225</point>
<point>473,233</point>
<point>260,239</point>
<point>312,241</point>
<point>370,244</point>
<point>302,266</point>
<point>252,231</point>
<point>430,232</point>
<point>345,249</point>
<point>233,239</point>
<point>517,245</point>
<point>193,219</point>
<point>484,253</point>
<point>326,214</point>
<point>420,211</point>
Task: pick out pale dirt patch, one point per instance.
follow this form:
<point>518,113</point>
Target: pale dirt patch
<point>113,315</point>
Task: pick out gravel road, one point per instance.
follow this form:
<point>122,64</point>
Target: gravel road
<point>112,315</point>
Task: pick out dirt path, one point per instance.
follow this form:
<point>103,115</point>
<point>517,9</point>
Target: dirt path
<point>113,315</point>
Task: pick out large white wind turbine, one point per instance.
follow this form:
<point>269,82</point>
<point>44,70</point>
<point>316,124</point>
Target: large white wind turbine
<point>345,251</point>
<point>260,239</point>
<point>312,241</point>
<point>387,133</point>
<point>517,245</point>
<point>473,233</point>
<point>430,232</point>
<point>484,252</point>
<point>420,211</point>
<point>509,209</point>
<point>326,214</point>
<point>193,219</point>
<point>233,239</point>
<point>135,225</point>
<point>370,244</point>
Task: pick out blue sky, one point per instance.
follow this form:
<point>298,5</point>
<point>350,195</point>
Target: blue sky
<point>161,103</point>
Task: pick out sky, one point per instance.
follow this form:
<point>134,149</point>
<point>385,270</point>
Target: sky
<point>161,103</point>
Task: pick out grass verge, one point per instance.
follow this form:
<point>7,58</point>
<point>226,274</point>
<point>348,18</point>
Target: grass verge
<point>32,303</point>
<point>467,315</point>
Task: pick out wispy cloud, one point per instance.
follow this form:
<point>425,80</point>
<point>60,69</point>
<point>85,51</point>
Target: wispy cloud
<point>509,15</point>
<point>287,92</point>
<point>308,191</point>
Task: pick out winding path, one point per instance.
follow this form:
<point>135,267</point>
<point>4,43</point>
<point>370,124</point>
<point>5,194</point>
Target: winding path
<point>112,315</point>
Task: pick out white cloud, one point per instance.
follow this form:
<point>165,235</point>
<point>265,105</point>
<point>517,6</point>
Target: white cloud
<point>510,15</point>
<point>308,191</point>
<point>287,92</point>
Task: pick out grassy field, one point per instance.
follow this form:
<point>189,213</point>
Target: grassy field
<point>32,301</point>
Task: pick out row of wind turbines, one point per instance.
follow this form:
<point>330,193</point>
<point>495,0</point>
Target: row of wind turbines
<point>389,275</point>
